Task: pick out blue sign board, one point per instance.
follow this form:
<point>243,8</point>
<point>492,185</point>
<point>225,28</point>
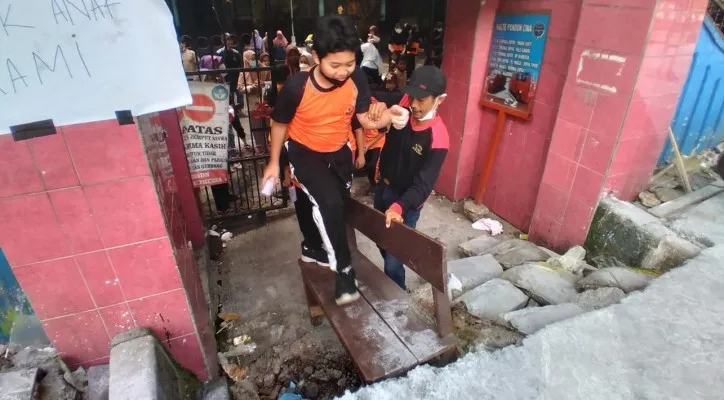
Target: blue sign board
<point>516,55</point>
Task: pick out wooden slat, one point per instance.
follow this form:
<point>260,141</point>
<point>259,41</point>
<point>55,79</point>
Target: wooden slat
<point>412,325</point>
<point>377,352</point>
<point>420,253</point>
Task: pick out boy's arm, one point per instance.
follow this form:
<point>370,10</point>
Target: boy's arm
<point>380,117</point>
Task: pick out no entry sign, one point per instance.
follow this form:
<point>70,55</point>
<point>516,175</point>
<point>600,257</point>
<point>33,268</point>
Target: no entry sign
<point>205,129</point>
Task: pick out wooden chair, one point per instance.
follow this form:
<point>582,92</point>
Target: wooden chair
<point>385,333</point>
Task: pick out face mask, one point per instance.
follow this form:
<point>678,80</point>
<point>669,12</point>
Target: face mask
<point>433,111</point>
<point>303,65</point>
<point>334,82</point>
<point>252,64</point>
<point>398,30</point>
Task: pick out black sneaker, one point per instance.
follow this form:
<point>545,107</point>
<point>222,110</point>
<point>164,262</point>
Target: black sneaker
<point>318,256</point>
<point>345,289</point>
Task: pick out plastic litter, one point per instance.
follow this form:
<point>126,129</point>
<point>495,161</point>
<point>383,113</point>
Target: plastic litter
<point>490,225</point>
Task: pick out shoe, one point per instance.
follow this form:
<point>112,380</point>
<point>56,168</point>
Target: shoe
<point>318,256</point>
<point>345,288</point>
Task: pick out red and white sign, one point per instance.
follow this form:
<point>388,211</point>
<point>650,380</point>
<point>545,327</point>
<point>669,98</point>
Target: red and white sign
<point>205,129</point>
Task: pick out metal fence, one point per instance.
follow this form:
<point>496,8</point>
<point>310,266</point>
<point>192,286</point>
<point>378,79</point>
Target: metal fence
<point>248,148</point>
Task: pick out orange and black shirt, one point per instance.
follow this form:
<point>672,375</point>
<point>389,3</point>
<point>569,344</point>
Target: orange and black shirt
<point>319,118</point>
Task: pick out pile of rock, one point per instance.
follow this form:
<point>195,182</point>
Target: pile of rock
<point>519,285</point>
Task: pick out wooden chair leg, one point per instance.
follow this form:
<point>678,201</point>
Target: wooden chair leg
<point>315,310</point>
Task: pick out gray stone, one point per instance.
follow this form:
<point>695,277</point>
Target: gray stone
<point>98,377</point>
<point>543,284</point>
<point>478,246</point>
<point>218,389</point>
<point>494,298</point>
<point>530,320</point>
<point>702,223</point>
<point>45,358</point>
<point>475,212</point>
<point>474,271</point>
<point>572,260</point>
<point>309,370</point>
<point>684,201</point>
<point>623,235</point>
<point>141,368</point>
<point>598,298</point>
<point>311,390</point>
<point>623,278</point>
<point>269,381</point>
<point>667,194</point>
<point>18,384</point>
<point>649,199</point>
<point>516,252</point>
<point>532,304</point>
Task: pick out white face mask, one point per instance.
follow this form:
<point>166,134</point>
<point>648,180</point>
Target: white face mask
<point>303,65</point>
<point>433,111</point>
<point>398,30</point>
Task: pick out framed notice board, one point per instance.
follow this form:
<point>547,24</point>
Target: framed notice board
<point>516,55</point>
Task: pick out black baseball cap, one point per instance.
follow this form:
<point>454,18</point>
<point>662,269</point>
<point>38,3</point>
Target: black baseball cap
<point>426,81</point>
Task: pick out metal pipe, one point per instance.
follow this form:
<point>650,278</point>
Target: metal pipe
<point>291,10</point>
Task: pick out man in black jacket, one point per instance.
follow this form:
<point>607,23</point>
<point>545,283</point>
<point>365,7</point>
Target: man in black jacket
<point>412,157</point>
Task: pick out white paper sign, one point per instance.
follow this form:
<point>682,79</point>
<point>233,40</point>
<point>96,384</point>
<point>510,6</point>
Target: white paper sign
<point>205,130</point>
<point>76,61</point>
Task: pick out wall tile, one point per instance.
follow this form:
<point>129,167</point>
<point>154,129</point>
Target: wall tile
<point>79,337</point>
<point>30,232</point>
<point>18,174</point>
<point>623,158</point>
<point>597,152</point>
<point>74,216</point>
<point>587,186</point>
<point>577,105</point>
<point>544,229</point>
<point>551,202</point>
<point>167,314</point>
<point>53,161</point>
<point>575,224</point>
<point>187,352</point>
<point>102,282</point>
<point>608,114</point>
<point>559,172</point>
<point>104,151</point>
<point>145,269</point>
<point>55,288</point>
<point>117,319</point>
<point>568,140</point>
<point>126,211</point>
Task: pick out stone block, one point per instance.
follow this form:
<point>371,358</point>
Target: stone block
<point>623,235</point>
<point>475,212</point>
<point>598,298</point>
<point>530,320</point>
<point>494,298</point>
<point>19,384</point>
<point>625,279</point>
<point>516,252</point>
<point>543,284</point>
<point>98,380</point>
<point>478,246</point>
<point>474,271</point>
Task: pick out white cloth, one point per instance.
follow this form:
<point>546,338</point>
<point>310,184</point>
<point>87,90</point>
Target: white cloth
<point>371,56</point>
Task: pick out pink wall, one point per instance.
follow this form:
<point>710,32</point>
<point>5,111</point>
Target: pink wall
<point>619,97</point>
<point>87,240</point>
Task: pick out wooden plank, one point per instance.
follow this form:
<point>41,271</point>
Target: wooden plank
<point>420,253</point>
<point>375,349</point>
<point>684,201</point>
<point>413,326</point>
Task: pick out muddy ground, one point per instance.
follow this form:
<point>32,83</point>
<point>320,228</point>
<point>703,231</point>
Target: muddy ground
<point>259,279</point>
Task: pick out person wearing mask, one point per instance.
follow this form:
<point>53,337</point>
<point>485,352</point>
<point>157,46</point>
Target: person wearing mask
<point>372,36</point>
<point>188,57</point>
<point>371,63</point>
<point>292,60</point>
<point>397,41</point>
<point>231,58</point>
<point>315,108</point>
<point>412,49</point>
<point>306,62</point>
<point>412,157</point>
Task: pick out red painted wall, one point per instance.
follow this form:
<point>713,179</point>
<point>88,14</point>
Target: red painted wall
<point>520,160</point>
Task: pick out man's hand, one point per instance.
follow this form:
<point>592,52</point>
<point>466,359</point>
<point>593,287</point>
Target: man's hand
<point>270,172</point>
<point>360,162</point>
<point>376,111</point>
<point>391,215</point>
<point>400,116</point>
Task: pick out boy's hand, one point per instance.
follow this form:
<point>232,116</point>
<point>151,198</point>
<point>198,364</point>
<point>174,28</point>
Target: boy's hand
<point>360,162</point>
<point>391,215</point>
<point>376,111</point>
<point>270,172</point>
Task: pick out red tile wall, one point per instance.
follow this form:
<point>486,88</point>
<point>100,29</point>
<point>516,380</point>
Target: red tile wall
<point>628,64</point>
<point>89,243</point>
<point>521,156</point>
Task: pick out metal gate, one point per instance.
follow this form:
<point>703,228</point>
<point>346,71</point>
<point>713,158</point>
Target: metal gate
<point>248,149</point>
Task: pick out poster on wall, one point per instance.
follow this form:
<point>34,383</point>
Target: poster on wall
<point>205,130</point>
<point>514,64</point>
<point>73,61</point>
